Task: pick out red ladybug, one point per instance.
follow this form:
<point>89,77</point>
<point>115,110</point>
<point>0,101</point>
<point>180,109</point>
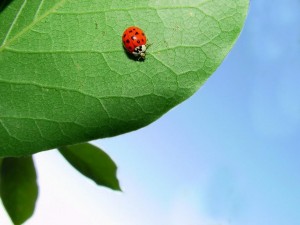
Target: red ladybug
<point>134,40</point>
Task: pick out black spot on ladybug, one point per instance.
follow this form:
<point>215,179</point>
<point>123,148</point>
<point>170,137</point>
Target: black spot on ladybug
<point>130,31</point>
<point>127,41</point>
<point>142,40</point>
<point>124,35</point>
<point>133,28</point>
<point>136,33</point>
<point>143,34</point>
<point>133,37</point>
<point>130,47</point>
<point>138,41</point>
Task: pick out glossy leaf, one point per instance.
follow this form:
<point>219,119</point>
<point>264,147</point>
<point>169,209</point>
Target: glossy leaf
<point>18,188</point>
<point>93,163</point>
<point>65,77</point>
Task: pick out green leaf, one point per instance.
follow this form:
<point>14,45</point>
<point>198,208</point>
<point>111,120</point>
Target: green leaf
<point>18,188</point>
<point>93,163</point>
<point>65,77</point>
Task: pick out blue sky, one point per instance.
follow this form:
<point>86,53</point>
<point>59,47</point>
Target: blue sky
<point>229,155</point>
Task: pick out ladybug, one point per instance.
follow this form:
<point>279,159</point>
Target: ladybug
<point>134,41</point>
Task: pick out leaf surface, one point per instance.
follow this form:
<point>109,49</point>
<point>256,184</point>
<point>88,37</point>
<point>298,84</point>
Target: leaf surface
<point>93,163</point>
<point>65,77</point>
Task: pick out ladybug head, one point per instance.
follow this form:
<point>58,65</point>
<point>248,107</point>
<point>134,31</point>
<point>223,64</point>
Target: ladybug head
<point>140,52</point>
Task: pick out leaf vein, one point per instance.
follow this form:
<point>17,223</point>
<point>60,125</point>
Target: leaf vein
<point>13,23</point>
<point>60,52</point>
<point>38,9</point>
<point>128,9</point>
<point>34,22</point>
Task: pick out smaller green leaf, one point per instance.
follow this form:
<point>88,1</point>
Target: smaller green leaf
<point>93,163</point>
<point>18,188</point>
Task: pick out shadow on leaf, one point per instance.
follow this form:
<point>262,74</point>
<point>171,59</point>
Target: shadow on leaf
<point>4,4</point>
